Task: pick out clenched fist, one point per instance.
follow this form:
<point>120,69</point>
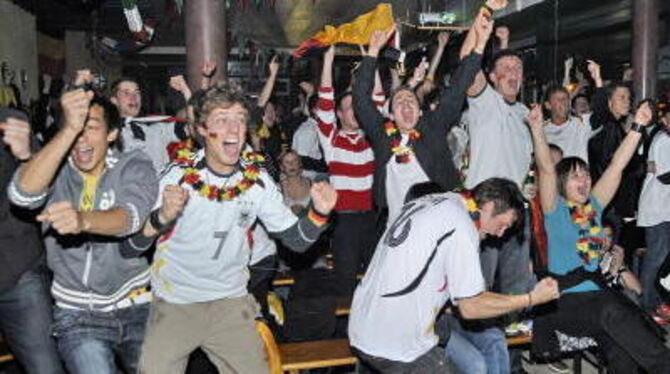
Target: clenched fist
<point>16,134</point>
<point>75,106</point>
<point>174,201</point>
<point>643,115</point>
<point>63,218</point>
<point>544,291</point>
<point>324,197</point>
<point>178,83</point>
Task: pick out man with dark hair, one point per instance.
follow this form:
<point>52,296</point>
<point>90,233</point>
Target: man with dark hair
<point>351,165</point>
<point>427,256</point>
<point>209,201</point>
<point>500,146</point>
<point>151,134</point>
<point>95,197</point>
<point>570,133</point>
<point>412,147</point>
<point>25,304</point>
<point>581,105</point>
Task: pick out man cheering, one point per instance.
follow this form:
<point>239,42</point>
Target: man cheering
<point>210,199</point>
<point>429,255</point>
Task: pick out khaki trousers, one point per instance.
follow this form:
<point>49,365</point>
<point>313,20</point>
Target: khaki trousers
<point>224,329</point>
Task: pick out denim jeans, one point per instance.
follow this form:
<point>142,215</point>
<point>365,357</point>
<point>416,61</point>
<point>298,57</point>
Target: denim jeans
<point>25,320</point>
<point>658,247</point>
<point>491,343</point>
<point>464,355</point>
<point>88,341</point>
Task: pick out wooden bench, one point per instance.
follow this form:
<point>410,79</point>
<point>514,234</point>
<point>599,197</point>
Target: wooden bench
<point>342,306</point>
<point>519,339</point>
<point>294,357</point>
<point>285,280</point>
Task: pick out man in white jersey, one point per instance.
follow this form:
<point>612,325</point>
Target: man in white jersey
<point>429,255</point>
<point>210,199</point>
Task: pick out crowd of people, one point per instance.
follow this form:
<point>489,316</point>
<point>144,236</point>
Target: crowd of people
<point>450,209</point>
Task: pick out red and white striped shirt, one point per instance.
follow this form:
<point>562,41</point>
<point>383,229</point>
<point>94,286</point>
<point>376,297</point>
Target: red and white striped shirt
<point>349,157</point>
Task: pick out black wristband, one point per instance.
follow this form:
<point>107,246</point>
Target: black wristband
<point>636,127</point>
<point>156,222</point>
<point>318,214</point>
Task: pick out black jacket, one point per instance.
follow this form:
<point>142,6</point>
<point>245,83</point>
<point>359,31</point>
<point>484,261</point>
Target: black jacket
<point>601,150</point>
<point>20,244</point>
<point>431,149</point>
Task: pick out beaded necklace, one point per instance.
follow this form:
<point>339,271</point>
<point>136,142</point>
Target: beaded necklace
<point>401,151</point>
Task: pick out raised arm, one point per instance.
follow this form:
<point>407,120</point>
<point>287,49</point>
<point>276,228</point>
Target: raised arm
<point>606,187</point>
<point>545,167</point>
<point>442,40</point>
<point>428,83</point>
<point>472,43</point>
<point>38,173</point>
<point>178,83</point>
<point>599,104</point>
<point>369,117</point>
<point>451,100</point>
<point>325,107</point>
<point>502,33</point>
<point>273,67</point>
<point>327,70</point>
<point>567,68</point>
<point>419,74</point>
<point>395,78</point>
<point>208,71</point>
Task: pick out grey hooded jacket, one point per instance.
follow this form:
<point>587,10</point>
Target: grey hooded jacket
<point>90,272</point>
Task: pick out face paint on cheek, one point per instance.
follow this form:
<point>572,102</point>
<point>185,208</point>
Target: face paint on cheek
<point>212,135</point>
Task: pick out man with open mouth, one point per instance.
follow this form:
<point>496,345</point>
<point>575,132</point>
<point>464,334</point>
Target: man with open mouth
<point>429,255</point>
<point>210,198</point>
<point>411,146</point>
<point>94,200</point>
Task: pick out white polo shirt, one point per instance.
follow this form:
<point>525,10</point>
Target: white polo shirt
<point>500,142</point>
<point>429,254</point>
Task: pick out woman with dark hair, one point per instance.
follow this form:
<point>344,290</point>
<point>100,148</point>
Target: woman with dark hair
<point>590,313</point>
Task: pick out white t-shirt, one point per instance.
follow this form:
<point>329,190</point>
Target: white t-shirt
<point>428,255</point>
<point>572,136</point>
<point>206,256</point>
<point>500,142</point>
<point>399,179</point>
<point>157,137</point>
<point>306,143</point>
<point>654,207</point>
